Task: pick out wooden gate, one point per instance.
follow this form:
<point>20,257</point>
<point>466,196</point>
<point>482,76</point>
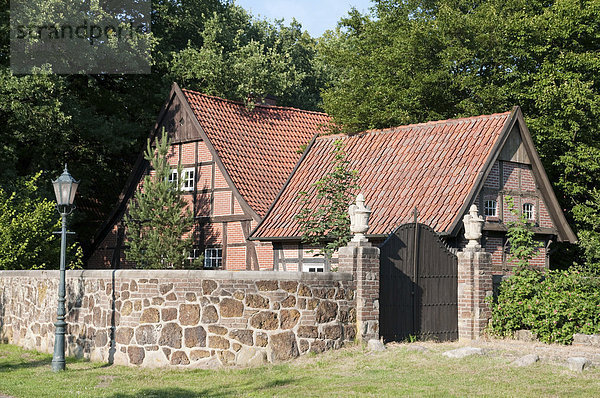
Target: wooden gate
<point>418,286</point>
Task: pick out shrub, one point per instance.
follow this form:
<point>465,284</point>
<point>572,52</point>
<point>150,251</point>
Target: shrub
<point>552,304</point>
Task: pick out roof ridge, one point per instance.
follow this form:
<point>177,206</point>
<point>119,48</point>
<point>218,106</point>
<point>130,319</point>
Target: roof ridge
<point>240,103</point>
<point>413,125</point>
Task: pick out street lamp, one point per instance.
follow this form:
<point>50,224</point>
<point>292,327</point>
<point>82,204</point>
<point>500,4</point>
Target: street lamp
<point>65,188</point>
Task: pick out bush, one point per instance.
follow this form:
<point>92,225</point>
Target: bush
<point>552,304</point>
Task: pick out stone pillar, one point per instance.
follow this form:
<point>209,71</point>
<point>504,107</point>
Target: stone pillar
<point>474,285</point>
<point>362,260</point>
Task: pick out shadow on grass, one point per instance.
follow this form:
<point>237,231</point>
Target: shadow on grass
<point>10,367</point>
<point>175,392</point>
<point>278,383</point>
<point>217,391</point>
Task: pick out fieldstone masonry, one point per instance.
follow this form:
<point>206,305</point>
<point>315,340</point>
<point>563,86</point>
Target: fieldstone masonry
<point>182,318</point>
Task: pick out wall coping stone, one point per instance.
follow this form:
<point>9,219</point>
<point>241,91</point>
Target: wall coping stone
<point>183,274</point>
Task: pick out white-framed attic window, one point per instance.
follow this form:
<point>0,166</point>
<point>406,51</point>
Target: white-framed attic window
<point>173,176</point>
<point>188,178</point>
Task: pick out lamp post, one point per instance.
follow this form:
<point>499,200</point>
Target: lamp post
<point>65,188</point>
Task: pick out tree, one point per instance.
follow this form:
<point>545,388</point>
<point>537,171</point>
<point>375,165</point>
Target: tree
<point>240,56</point>
<point>27,226</point>
<point>324,219</point>
<point>413,61</point>
<point>98,123</point>
<point>158,220</point>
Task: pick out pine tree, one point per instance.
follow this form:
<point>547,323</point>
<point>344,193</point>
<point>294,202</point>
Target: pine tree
<point>158,218</point>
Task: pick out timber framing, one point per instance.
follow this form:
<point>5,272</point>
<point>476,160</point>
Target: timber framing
<point>141,167</point>
<point>563,230</point>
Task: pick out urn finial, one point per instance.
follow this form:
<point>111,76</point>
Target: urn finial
<point>359,219</point>
<point>473,223</point>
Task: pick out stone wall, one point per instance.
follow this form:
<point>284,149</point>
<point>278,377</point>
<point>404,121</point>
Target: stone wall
<point>181,318</point>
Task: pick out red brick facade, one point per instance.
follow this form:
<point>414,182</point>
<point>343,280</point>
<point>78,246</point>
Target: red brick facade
<point>515,180</point>
<point>211,198</point>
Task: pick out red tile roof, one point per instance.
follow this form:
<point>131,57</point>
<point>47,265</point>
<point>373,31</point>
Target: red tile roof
<point>258,147</point>
<point>432,166</point>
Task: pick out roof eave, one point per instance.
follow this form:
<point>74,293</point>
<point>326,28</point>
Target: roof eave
<point>483,173</point>
<point>243,203</point>
<point>306,151</point>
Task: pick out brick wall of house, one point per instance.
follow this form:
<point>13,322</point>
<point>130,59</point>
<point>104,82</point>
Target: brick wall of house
<point>515,180</point>
<point>212,197</point>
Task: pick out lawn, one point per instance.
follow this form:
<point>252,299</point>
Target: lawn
<point>348,372</point>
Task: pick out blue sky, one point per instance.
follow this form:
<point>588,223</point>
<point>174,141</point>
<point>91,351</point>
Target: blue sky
<point>316,16</point>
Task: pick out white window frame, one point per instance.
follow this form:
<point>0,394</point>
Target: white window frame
<point>213,257</point>
<point>188,177</point>
<point>173,178</point>
<point>529,213</point>
<point>313,267</point>
<point>490,208</point>
<point>195,253</point>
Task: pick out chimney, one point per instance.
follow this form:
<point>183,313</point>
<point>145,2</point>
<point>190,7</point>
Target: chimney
<point>265,100</point>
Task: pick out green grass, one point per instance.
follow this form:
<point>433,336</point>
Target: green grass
<point>349,372</point>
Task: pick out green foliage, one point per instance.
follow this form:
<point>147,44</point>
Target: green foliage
<point>240,56</point>
<point>520,235</point>
<point>27,223</point>
<point>413,61</point>
<point>99,123</point>
<point>589,216</point>
<point>158,218</point>
<point>553,305</point>
<point>324,219</point>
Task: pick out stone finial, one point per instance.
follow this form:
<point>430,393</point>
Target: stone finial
<point>473,226</point>
<point>359,219</point>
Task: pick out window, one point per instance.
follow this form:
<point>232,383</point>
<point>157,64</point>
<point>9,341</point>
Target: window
<point>313,268</point>
<point>213,257</point>
<point>173,176</point>
<point>489,208</point>
<point>528,211</point>
<point>195,253</point>
<point>188,179</point>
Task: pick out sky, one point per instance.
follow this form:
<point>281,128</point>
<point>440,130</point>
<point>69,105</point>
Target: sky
<point>316,16</point>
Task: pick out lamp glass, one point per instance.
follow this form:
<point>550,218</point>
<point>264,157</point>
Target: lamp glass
<point>65,188</point>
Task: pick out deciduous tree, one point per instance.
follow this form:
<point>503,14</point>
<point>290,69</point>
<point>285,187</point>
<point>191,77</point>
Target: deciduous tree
<point>415,60</point>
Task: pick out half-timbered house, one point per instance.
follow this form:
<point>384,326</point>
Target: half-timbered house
<point>243,171</point>
<point>235,159</point>
<point>433,171</point>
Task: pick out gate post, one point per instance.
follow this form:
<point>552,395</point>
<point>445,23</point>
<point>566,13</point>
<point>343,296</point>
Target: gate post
<point>474,281</point>
<point>362,260</point>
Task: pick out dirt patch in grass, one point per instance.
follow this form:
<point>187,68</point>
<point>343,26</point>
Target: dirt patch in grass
<point>105,381</point>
